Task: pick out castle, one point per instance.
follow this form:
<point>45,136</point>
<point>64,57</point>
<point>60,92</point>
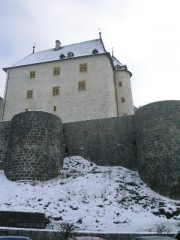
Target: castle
<point>40,127</point>
<point>75,82</point>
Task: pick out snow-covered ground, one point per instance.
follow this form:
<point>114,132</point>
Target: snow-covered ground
<point>94,198</point>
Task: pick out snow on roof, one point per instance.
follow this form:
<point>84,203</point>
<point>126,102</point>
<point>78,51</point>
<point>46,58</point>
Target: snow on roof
<point>119,66</point>
<point>116,62</point>
<point>78,50</point>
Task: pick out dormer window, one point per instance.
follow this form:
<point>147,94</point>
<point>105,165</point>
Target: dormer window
<point>62,56</point>
<point>117,67</point>
<point>70,54</point>
<point>95,51</point>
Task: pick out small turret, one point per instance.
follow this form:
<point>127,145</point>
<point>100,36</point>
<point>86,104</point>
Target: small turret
<point>123,88</point>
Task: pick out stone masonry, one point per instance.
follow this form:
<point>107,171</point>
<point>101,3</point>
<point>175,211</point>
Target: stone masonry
<point>4,140</point>
<point>35,149</point>
<point>158,146</point>
<point>108,141</point>
<point>33,144</point>
<point>1,108</point>
<point>23,219</point>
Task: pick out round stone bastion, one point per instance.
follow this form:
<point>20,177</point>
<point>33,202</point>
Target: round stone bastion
<point>157,127</point>
<point>35,148</point>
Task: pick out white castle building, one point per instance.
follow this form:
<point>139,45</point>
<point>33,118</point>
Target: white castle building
<point>75,82</point>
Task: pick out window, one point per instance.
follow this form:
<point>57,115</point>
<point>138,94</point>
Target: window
<point>56,71</point>
<point>32,74</point>
<point>30,94</point>
<point>117,67</point>
<point>62,56</point>
<point>120,84</point>
<point>55,91</point>
<point>54,108</point>
<point>122,99</point>
<point>95,51</point>
<point>83,67</point>
<point>81,85</point>
<point>70,54</point>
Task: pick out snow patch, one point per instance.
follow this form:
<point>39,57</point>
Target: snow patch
<point>94,198</point>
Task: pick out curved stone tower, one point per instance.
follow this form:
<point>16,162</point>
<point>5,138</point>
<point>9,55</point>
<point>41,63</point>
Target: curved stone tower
<point>35,149</point>
<point>158,146</point>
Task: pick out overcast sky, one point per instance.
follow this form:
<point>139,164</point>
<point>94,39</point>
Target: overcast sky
<point>145,35</point>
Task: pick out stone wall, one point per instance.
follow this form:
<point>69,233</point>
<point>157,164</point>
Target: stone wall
<point>33,144</point>
<point>1,108</point>
<point>108,141</point>
<point>23,220</point>
<point>4,139</point>
<point>158,146</point>
<point>35,150</point>
<point>55,235</point>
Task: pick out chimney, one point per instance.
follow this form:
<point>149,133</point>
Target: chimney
<point>57,45</point>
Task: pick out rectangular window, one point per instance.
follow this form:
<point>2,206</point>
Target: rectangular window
<point>83,67</point>
<point>56,71</point>
<point>54,108</point>
<point>120,84</point>
<point>55,91</point>
<point>32,74</point>
<point>81,85</point>
<point>29,94</point>
<point>122,99</point>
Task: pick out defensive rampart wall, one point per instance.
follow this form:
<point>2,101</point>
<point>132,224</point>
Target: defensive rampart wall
<point>108,141</point>
<point>33,144</point>
<point>157,127</point>
<point>36,234</point>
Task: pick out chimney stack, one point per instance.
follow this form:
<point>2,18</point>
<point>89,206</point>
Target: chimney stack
<point>57,45</point>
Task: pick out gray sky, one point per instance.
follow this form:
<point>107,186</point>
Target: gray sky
<point>145,35</point>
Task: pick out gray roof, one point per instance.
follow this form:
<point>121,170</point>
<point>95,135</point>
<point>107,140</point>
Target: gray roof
<point>78,50</point>
<point>116,62</point>
<point>119,66</point>
<point>82,49</point>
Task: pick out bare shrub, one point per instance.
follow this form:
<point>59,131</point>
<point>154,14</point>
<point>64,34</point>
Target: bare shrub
<point>162,229</point>
<point>67,229</point>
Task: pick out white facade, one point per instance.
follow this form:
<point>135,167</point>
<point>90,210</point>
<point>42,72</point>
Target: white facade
<point>101,95</point>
